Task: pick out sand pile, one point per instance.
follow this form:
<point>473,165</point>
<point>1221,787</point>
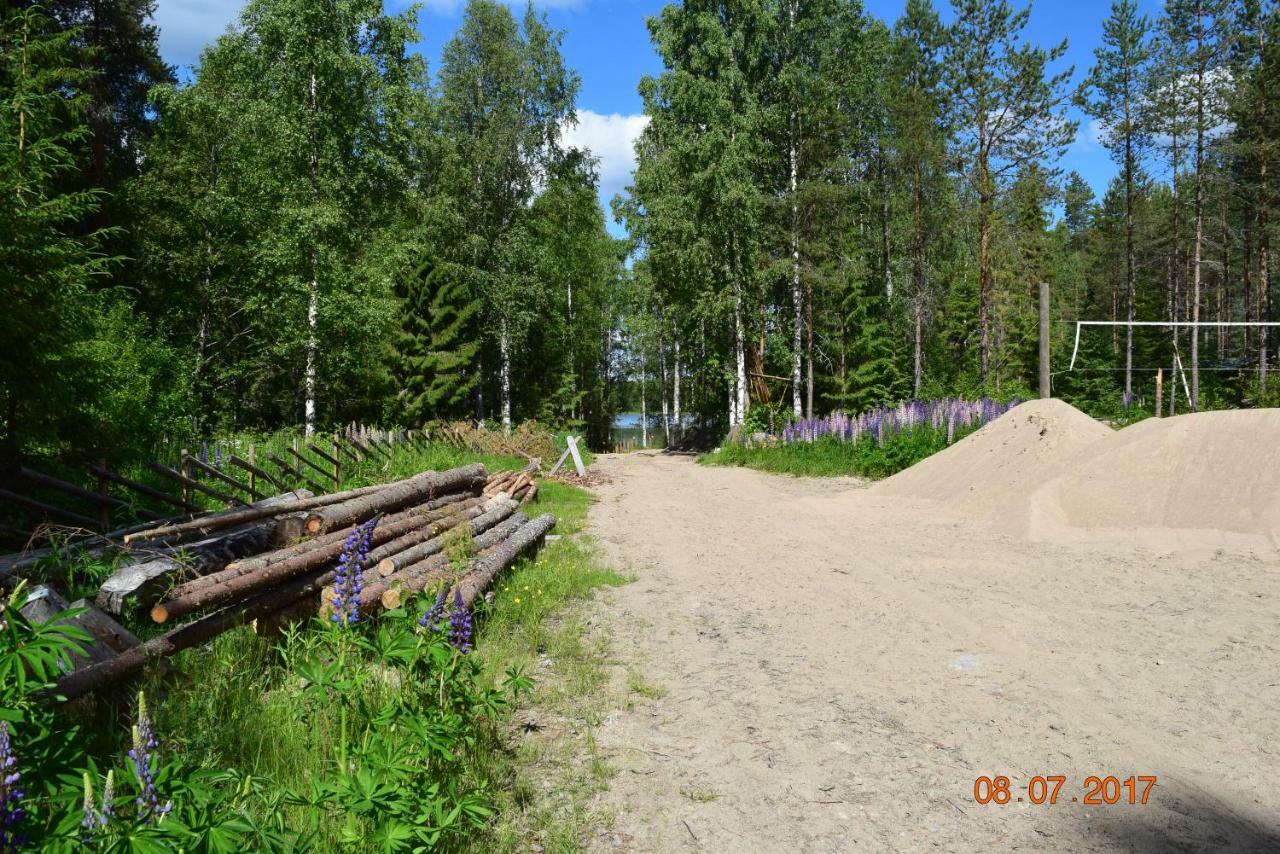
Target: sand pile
<point>1049,472</point>
<point>1208,480</point>
<point>1003,462</point>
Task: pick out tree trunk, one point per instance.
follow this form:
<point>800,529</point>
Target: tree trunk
<point>1130,277</point>
<point>504,373</point>
<point>313,291</point>
<point>808,311</point>
<point>675,384</point>
<point>797,330</point>
<point>662,377</point>
<point>484,570</point>
<point>740,401</point>
<point>394,496</point>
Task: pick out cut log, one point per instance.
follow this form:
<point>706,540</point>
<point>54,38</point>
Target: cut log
<point>142,582</point>
<point>419,577</point>
<point>484,570</point>
<point>107,638</point>
<point>428,512</point>
<point>419,488</point>
<point>274,624</point>
<point>375,585</point>
<point>393,560</point>
<point>239,516</point>
<point>232,585</point>
<point>425,534</point>
<point>199,631</point>
<point>529,495</point>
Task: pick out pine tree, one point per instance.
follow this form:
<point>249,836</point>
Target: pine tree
<point>1008,112</point>
<point>1116,85</point>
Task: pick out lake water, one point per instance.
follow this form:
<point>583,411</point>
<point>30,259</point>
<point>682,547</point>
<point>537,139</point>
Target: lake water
<point>627,433</point>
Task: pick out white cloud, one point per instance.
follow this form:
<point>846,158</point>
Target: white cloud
<point>186,26</point>
<point>610,138</point>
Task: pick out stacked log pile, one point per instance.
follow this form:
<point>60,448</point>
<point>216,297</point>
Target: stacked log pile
<point>273,563</point>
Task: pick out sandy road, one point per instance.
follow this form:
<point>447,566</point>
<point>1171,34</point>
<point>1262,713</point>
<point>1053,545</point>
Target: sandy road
<point>839,668</point>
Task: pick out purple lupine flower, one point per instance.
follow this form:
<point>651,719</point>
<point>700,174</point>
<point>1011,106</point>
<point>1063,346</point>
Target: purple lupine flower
<point>217,455</point>
<point>460,625</point>
<point>349,580</point>
<point>143,756</point>
<point>12,814</point>
<point>204,452</point>
<point>431,619</point>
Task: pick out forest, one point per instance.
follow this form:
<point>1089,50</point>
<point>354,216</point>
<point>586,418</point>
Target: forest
<point>828,212</point>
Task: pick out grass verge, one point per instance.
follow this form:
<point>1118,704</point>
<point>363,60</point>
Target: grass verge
<point>332,740</point>
<point>832,457</point>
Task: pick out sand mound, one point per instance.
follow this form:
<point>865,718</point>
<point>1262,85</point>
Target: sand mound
<point>1207,480</point>
<point>1049,472</point>
<point>1003,462</point>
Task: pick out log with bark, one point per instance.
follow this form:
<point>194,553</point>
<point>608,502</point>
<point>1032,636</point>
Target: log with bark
<point>188,635</point>
<point>416,489</point>
<point>107,638</point>
<point>238,582</point>
<point>140,583</point>
<point>428,512</point>
<point>437,569</point>
<point>238,516</point>
<point>389,561</point>
<point>484,570</point>
<point>372,578</point>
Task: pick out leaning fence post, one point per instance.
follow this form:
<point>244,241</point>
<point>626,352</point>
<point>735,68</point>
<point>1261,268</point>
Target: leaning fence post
<point>182,469</point>
<point>253,481</point>
<point>104,507</point>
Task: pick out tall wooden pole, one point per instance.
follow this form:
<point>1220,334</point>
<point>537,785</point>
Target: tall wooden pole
<point>1044,340</point>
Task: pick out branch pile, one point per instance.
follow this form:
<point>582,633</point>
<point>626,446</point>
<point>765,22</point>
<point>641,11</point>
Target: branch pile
<point>274,562</point>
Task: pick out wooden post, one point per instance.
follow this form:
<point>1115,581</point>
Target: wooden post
<point>253,461</point>
<point>577,459</point>
<point>1045,391</point>
<point>337,464</point>
<point>182,470</point>
<point>104,508</point>
<point>1159,389</point>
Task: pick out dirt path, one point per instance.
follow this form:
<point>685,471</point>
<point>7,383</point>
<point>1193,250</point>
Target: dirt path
<point>839,668</point>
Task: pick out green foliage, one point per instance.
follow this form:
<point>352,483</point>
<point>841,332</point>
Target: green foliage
<point>438,343</point>
<point>831,457</point>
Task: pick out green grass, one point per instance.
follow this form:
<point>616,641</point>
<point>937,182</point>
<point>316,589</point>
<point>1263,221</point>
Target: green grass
<point>550,768</point>
<point>237,703</point>
<point>831,457</point>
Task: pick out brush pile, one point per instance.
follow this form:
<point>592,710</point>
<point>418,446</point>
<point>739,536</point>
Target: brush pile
<point>277,561</point>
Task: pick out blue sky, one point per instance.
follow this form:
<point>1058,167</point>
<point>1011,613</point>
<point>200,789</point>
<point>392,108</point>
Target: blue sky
<point>607,43</point>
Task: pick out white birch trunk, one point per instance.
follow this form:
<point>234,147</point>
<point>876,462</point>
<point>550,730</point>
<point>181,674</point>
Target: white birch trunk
<point>662,374</point>
<point>313,294</point>
<point>740,359</point>
<point>675,389</point>
<point>644,414</point>
<point>797,330</point>
<point>504,374</point>
<point>313,312</point>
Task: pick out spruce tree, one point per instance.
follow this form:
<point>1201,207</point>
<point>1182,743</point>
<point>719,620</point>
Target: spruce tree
<point>437,346</point>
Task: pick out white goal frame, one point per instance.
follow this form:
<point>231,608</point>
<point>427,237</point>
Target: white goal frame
<point>1167,324</point>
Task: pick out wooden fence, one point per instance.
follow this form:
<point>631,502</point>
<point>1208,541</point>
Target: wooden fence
<point>194,482</point>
